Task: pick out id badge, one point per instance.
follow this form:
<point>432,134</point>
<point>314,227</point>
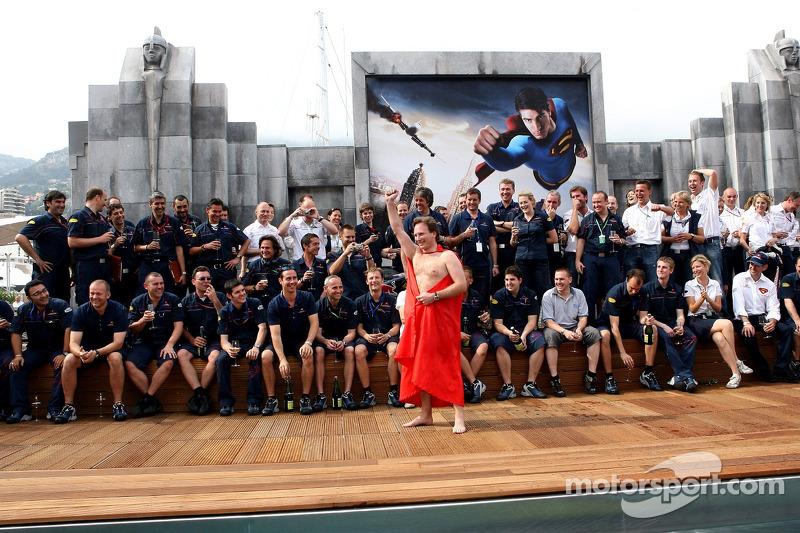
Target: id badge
<point>556,247</point>
<point>708,313</point>
<point>479,247</point>
<point>602,239</point>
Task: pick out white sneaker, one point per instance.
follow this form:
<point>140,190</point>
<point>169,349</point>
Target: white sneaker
<point>409,406</point>
<point>743,368</point>
<point>733,383</point>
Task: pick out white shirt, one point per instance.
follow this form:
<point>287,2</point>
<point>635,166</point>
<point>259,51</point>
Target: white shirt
<point>693,288</point>
<point>401,302</point>
<point>732,218</point>
<point>255,231</point>
<point>298,228</point>
<point>755,297</point>
<point>707,204</point>
<point>572,240</point>
<point>645,221</point>
<point>681,226</point>
<point>759,229</point>
<point>782,220</point>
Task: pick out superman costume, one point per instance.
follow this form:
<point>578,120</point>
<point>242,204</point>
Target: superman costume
<point>430,346</point>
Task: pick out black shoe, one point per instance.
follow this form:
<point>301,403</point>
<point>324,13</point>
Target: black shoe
<point>225,410</point>
<point>3,414</point>
<point>194,404</point>
<point>589,383</point>
<point>305,406</point>
<point>138,409</point>
<point>271,407</point>
<point>558,390</point>
<point>691,385</point>
<point>649,381</point>
<point>320,403</point>
<point>253,409</point>
<point>17,417</point>
<point>611,385</point>
<point>468,392</point>
<point>367,401</point>
<point>677,383</point>
<point>785,378</point>
<point>205,405</point>
<point>478,388</point>
<point>118,410</point>
<point>153,406</point>
<point>394,399</point>
<point>348,401</point>
<point>67,414</point>
<point>794,368</point>
<point>531,390</point>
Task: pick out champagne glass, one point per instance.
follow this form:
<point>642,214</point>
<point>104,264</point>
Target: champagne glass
<point>235,347</point>
<point>612,235</point>
<point>100,400</point>
<point>763,321</point>
<point>36,403</point>
<point>152,310</point>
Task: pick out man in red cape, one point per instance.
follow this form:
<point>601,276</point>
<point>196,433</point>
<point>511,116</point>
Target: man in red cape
<point>430,346</point>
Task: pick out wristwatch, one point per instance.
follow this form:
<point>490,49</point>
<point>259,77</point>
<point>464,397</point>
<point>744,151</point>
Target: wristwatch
<point>435,296</point>
<point>256,345</point>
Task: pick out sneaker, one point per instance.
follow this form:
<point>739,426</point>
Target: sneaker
<point>691,384</point>
<point>734,382</point>
<point>677,383</point>
<point>394,399</point>
<point>478,388</point>
<point>507,391</point>
<point>589,383</point>
<point>16,417</point>
<point>367,401</point>
<point>138,409</point>
<point>271,407</point>
<point>67,414</point>
<point>649,381</point>
<point>205,405</point>
<point>794,367</point>
<point>558,390</point>
<point>611,385</point>
<point>4,415</point>
<point>305,406</point>
<point>348,401</point>
<point>51,415</point>
<point>320,402</point>
<point>785,377</point>
<point>119,413</point>
<point>408,406</point>
<point>743,368</point>
<point>225,410</point>
<point>468,392</point>
<point>253,409</point>
<point>194,404</point>
<point>153,406</point>
<point>531,390</point>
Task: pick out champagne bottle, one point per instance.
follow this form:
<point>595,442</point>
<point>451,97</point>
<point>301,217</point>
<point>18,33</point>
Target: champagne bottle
<point>336,397</point>
<point>201,351</point>
<point>288,397</point>
<point>648,334</point>
<point>465,329</point>
<point>519,346</point>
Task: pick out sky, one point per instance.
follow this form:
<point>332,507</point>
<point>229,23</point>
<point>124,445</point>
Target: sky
<point>662,67</point>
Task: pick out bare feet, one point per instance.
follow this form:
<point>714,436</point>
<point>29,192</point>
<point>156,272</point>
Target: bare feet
<point>458,423</point>
<point>419,421</point>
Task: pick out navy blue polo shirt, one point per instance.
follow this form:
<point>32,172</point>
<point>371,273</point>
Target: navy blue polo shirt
<point>87,224</point>
<point>191,222</point>
<point>408,222</point>
<point>335,322</point>
<point>201,312</point>
<point>501,213</point>
<point>514,310</point>
<point>168,311</point>
<point>352,273</point>
<point>98,330</point>
<point>390,241</point>
<point>593,226</point>
<point>130,259</point>
<point>293,319</point>
<point>260,269</point>
<point>471,309</point>
<point>364,232</point>
<point>242,324</point>
<point>663,302</point>
<point>7,313</point>
<point>533,235</point>
<point>619,303</point>
<point>49,236</point>
<point>169,230</point>
<point>789,289</point>
<point>382,314</point>
<point>45,328</point>
<point>467,250</point>
<point>320,273</point>
<point>229,236</point>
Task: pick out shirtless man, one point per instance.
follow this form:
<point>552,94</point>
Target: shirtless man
<point>431,264</point>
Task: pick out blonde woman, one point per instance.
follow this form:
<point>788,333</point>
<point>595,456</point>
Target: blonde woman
<point>757,227</point>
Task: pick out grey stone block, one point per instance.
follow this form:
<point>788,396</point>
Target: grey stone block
<point>209,123</point>
<point>103,158</point>
<point>102,124</point>
<point>242,132</point>
<point>783,172</point>
<point>132,120</point>
<point>361,157</point>
<point>709,152</point>
<point>629,160</point>
<point>175,152</point>
<point>103,96</point>
<point>174,181</point>
<point>319,167</point>
<point>136,211</point>
<point>742,118</point>
<point>741,93</point>
<point>78,137</point>
<point>210,95</point>
<point>777,115</point>
<point>132,92</point>
<point>242,159</point>
<point>210,155</point>
<point>751,176</point>
<point>133,153</point>
<point>702,128</point>
<point>774,90</point>
<point>97,180</point>
<point>207,185</point>
<point>133,185</point>
<point>177,91</point>
<point>780,144</point>
<point>749,147</point>
<point>242,190</point>
<point>176,119</point>
<point>274,191</point>
<point>272,161</point>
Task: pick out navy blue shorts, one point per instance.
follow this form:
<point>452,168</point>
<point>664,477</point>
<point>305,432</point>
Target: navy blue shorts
<point>535,340</point>
<point>141,355</point>
<point>372,349</point>
<point>192,349</point>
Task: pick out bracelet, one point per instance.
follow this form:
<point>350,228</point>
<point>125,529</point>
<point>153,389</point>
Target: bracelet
<point>309,343</point>
<point>256,345</point>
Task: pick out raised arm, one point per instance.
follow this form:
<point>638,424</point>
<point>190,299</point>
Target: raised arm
<point>406,244</point>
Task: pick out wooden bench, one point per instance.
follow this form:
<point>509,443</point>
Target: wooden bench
<point>708,367</point>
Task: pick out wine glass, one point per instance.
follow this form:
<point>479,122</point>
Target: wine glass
<point>100,400</point>
<point>612,235</point>
<point>36,403</point>
<point>235,347</point>
<point>152,310</point>
<point>763,321</point>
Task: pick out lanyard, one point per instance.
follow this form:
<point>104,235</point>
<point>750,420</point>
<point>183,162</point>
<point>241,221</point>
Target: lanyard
<point>642,211</point>
<point>598,224</point>
<point>58,221</point>
<point>158,229</point>
<point>335,315</point>
<point>374,309</point>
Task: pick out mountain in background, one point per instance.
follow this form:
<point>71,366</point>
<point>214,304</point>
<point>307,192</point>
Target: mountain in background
<point>9,163</point>
<point>50,172</point>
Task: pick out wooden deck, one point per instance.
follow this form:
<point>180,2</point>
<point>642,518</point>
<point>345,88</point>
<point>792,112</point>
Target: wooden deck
<point>175,464</point>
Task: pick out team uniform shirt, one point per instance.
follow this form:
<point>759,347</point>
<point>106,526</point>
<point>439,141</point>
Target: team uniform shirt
<point>501,213</point>
<point>572,240</point>
<point>242,324</point>
<point>87,224</point>
<point>789,289</point>
<point>298,228</point>
<point>293,319</point>
<point>408,222</point>
<point>646,222</point>
<point>229,236</point>
<point>260,269</point>
<point>474,251</point>
<point>352,273</point>
<point>364,232</point>
<point>566,312</point>
<point>679,225</point>
<point>514,310</point>
<point>391,241</point>
<point>782,220</point>
<point>49,236</point>
<point>334,322</point>
<point>316,283</point>
<point>201,312</point>
<point>98,330</point>
<point>255,231</point>
<point>621,304</point>
<point>692,288</point>
<point>130,259</point>
<point>471,309</point>
<point>169,231</point>
<point>707,204</point>
<point>663,302</point>
<point>7,313</point>
<point>533,235</point>
<point>594,230</point>
<point>381,315</point>
<point>732,220</point>
<point>759,228</point>
<point>758,297</point>
<point>46,327</point>
<point>168,311</point>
